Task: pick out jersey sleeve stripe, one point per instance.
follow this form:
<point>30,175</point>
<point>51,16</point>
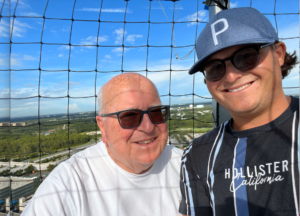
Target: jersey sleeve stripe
<point>293,163</point>
<point>221,128</point>
<point>188,191</point>
<point>212,168</point>
<point>187,150</point>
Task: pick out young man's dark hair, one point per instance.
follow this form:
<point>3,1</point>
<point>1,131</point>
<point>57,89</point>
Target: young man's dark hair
<point>249,165</point>
<point>290,61</point>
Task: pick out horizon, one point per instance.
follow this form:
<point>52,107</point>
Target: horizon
<point>95,51</point>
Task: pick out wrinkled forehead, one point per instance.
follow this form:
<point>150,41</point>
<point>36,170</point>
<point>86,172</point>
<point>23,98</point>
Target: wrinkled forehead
<point>130,94</point>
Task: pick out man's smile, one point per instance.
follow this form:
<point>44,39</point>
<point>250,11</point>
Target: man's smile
<point>238,88</point>
<point>146,141</point>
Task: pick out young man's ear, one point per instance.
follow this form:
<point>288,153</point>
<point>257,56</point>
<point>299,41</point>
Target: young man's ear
<point>280,50</point>
<point>100,124</point>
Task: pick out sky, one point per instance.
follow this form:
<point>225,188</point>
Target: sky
<point>82,82</point>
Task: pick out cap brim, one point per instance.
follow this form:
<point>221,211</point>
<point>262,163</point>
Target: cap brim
<point>195,68</point>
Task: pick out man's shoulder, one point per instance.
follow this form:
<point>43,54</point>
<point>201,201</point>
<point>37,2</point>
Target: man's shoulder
<point>207,138</point>
<point>176,152</point>
<point>201,146</point>
<point>77,162</point>
<point>170,154</point>
<point>170,158</point>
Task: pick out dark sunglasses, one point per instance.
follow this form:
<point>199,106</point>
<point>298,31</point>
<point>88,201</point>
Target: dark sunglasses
<point>133,117</point>
<point>243,59</point>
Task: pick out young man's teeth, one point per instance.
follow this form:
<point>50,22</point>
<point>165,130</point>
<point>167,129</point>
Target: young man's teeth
<point>145,142</point>
<point>240,88</point>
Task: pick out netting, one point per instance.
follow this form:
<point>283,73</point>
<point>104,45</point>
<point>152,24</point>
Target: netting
<point>75,47</point>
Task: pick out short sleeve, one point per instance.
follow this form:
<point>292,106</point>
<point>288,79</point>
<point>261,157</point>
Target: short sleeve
<point>50,199</point>
<point>195,200</point>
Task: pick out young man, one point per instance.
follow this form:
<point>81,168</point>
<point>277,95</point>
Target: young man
<point>249,165</point>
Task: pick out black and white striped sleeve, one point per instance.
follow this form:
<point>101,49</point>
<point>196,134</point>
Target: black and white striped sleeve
<point>194,199</point>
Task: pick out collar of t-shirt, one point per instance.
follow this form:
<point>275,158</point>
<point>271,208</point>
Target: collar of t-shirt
<point>294,105</point>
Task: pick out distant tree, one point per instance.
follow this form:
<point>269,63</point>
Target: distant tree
<point>50,167</point>
<point>5,173</point>
<point>29,169</point>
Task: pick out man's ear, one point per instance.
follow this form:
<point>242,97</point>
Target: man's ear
<point>100,123</point>
<point>280,50</point>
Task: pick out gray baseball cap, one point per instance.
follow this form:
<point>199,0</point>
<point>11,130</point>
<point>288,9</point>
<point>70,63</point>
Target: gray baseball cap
<point>232,27</point>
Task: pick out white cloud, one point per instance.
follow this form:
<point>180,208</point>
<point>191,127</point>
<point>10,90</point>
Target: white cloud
<point>29,85</point>
<point>293,78</point>
<point>30,14</point>
<point>61,55</point>
<point>170,8</point>
<point>19,28</point>
<point>65,47</point>
<point>92,40</point>
<point>120,49</point>
<point>22,7</point>
<point>119,35</point>
<point>65,29</point>
<point>233,4</point>
<point>132,38</point>
<point>202,16</point>
<point>72,83</point>
<point>29,58</point>
<point>4,62</point>
<point>4,28</point>
<point>106,10</point>
<point>73,107</point>
<point>15,62</point>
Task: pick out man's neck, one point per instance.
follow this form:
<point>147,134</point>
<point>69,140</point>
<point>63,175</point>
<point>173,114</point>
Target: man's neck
<point>245,122</point>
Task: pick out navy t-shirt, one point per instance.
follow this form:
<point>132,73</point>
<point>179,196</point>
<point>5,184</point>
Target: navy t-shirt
<point>250,172</point>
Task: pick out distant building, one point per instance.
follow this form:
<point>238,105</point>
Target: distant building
<point>4,123</point>
<point>200,106</point>
<point>93,132</point>
<point>18,124</point>
<point>191,105</point>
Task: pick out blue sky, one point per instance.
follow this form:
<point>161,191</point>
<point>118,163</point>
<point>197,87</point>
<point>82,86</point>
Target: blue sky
<point>55,56</point>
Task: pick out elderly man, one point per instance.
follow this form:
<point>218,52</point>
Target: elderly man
<point>131,172</point>
<point>249,165</point>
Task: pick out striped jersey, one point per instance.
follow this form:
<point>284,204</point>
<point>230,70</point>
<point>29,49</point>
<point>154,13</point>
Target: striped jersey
<point>244,173</point>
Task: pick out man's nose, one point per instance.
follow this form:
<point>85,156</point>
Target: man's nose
<point>231,72</point>
<point>146,124</point>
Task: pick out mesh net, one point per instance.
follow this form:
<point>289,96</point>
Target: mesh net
<point>58,55</point>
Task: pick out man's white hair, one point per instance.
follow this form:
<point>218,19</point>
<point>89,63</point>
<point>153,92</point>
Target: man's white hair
<point>100,100</point>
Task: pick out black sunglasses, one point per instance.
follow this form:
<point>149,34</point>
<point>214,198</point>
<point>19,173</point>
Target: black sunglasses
<point>243,59</point>
<point>133,117</point>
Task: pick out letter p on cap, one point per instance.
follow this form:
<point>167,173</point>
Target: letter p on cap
<point>213,30</point>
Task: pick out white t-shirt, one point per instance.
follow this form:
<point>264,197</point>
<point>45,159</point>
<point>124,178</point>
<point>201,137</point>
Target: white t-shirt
<point>91,183</point>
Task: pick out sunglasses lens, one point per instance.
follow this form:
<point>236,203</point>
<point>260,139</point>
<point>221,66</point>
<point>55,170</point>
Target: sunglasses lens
<point>246,59</point>
<point>214,71</point>
<point>130,118</point>
<point>159,114</point>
